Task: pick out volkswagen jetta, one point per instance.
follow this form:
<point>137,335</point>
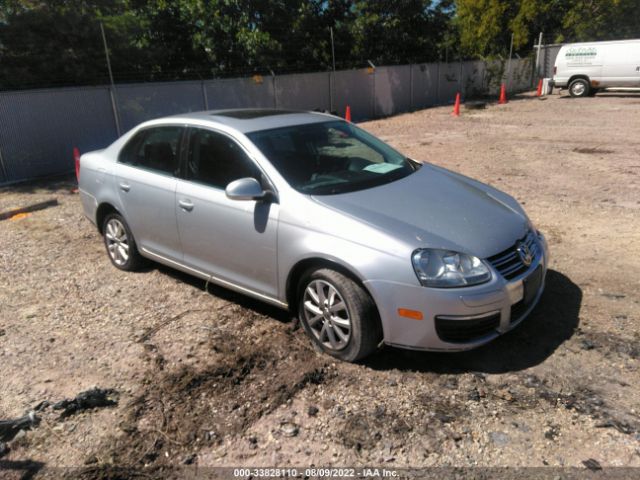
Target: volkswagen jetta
<point>309,212</point>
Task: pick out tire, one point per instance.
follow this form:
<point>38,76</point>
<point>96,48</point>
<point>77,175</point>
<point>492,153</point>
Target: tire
<point>353,330</point>
<point>120,244</point>
<point>579,88</point>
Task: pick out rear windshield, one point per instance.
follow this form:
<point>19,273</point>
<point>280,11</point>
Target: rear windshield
<point>331,157</point>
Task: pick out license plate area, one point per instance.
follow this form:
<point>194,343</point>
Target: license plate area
<point>532,285</point>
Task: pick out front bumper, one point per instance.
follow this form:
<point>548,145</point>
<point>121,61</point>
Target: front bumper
<point>482,313</point>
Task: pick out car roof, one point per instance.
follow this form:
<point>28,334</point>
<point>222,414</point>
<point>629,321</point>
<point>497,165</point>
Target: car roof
<point>247,120</point>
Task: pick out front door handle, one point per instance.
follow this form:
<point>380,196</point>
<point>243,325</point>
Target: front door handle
<point>185,205</point>
<point>125,187</point>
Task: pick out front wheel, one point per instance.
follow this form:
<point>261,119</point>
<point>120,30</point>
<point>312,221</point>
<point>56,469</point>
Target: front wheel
<point>338,315</point>
<point>579,88</point>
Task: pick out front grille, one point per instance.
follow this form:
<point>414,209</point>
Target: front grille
<point>508,263</point>
<point>465,330</point>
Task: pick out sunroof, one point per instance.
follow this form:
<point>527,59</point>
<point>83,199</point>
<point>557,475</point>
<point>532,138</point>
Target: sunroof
<point>250,114</point>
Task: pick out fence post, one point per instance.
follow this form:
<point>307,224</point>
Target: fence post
<point>4,169</point>
<point>112,88</point>
<point>331,81</point>
<point>332,74</point>
<point>205,99</point>
<point>537,70</point>
<point>114,107</point>
<point>411,87</point>
<point>438,82</point>
<point>275,92</point>
<point>509,80</point>
<point>373,93</point>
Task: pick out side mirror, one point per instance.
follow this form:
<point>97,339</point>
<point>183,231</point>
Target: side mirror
<point>245,189</point>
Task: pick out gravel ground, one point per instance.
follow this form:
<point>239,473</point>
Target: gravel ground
<point>209,377</point>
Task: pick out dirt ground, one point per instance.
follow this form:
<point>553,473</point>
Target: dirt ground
<point>208,377</point>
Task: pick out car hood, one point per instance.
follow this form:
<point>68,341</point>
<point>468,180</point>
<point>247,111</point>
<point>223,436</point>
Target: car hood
<point>437,208</point>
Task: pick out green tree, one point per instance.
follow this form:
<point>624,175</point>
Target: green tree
<point>59,41</point>
<point>485,26</point>
<point>55,42</point>
<point>391,32</point>
<point>588,20</point>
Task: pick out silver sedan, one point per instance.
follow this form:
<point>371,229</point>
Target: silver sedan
<point>313,214</point>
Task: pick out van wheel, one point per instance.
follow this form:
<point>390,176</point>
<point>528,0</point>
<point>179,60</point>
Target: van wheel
<point>338,315</point>
<point>579,88</point>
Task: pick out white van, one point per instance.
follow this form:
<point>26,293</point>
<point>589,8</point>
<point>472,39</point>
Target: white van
<point>585,68</point>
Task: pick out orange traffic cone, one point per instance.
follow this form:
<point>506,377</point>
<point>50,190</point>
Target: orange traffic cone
<point>503,95</point>
<point>456,106</point>
<point>539,91</point>
<point>347,114</point>
<point>76,160</point>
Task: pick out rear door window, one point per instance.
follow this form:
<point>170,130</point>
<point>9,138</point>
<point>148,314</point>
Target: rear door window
<point>155,149</point>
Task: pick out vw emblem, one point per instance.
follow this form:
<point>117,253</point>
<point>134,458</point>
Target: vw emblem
<point>525,254</point>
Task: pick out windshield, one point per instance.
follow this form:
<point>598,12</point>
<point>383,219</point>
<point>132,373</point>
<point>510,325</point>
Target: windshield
<point>331,157</point>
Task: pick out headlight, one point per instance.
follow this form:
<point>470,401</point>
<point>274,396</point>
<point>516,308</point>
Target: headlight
<point>444,268</point>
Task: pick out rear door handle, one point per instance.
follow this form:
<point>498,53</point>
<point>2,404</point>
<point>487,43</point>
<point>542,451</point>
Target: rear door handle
<point>125,187</point>
<point>185,205</point>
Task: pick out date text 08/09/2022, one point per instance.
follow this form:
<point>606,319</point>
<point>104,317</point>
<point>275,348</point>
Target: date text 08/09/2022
<point>315,472</point>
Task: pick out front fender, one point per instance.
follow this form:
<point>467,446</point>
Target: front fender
<point>297,244</point>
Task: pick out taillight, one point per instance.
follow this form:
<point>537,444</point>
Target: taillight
<point>555,69</point>
<point>76,158</point>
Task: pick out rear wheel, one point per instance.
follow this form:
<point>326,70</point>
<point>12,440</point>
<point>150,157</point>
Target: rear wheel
<point>338,315</point>
<point>579,87</point>
<point>121,247</point>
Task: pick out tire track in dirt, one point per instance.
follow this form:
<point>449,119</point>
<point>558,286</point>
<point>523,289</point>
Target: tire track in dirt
<point>180,411</point>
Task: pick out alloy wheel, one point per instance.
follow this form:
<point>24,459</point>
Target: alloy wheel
<point>326,315</point>
<point>117,241</point>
